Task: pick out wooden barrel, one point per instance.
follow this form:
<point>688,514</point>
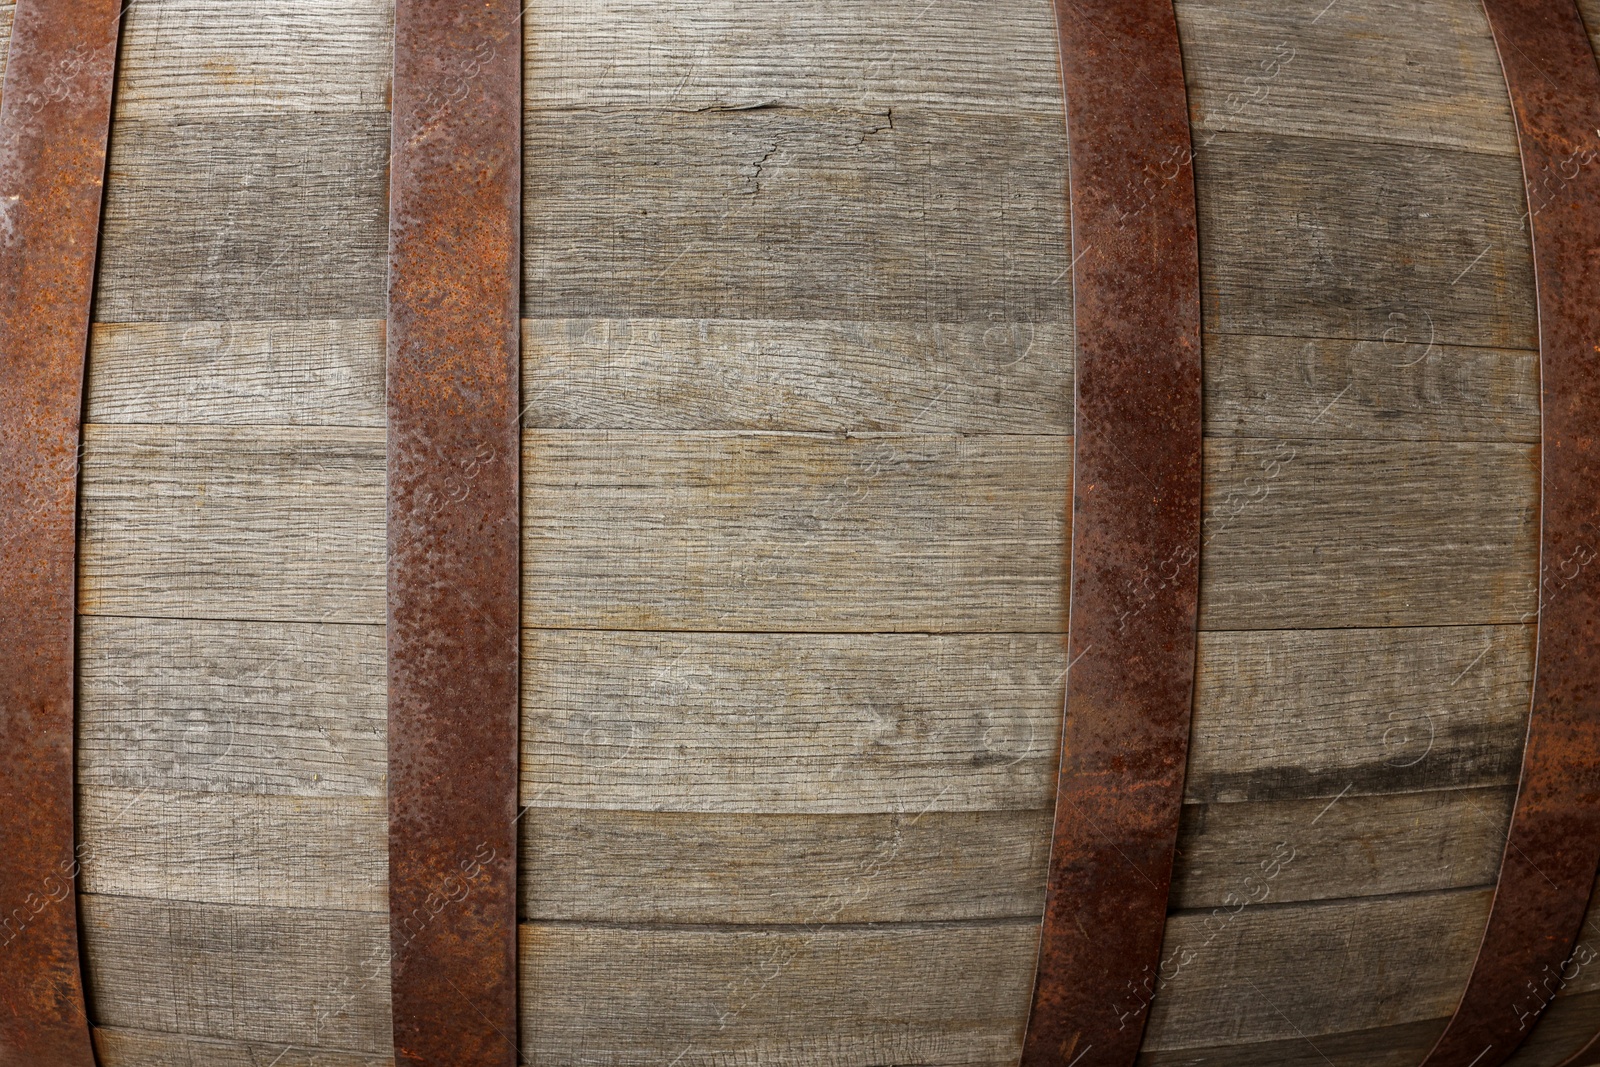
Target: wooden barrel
<point>797,385</point>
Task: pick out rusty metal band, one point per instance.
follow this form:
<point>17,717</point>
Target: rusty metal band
<point>1135,532</point>
<point>55,115</point>
<point>453,529</point>
<point>1553,845</point>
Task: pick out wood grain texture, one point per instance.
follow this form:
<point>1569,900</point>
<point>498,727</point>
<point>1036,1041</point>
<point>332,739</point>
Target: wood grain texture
<point>784,532</point>
<point>1314,713</point>
<point>1428,72</point>
<point>831,996</point>
<point>1316,238</point>
<point>246,218</point>
<point>1254,974</point>
<point>185,60</point>
<point>233,523</point>
<point>730,374</point>
<point>679,55</point>
<point>302,977</point>
<point>145,1048</point>
<point>1389,1046</point>
<point>1317,534</point>
<point>254,708</point>
<point>591,865</point>
<point>324,373</point>
<point>8,12</point>
<point>1369,390</point>
<point>861,213</point>
<point>227,848</point>
<point>902,723</point>
<point>1354,846</point>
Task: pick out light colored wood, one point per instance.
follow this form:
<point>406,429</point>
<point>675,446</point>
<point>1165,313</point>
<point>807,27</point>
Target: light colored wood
<point>595,865</point>
<point>1314,713</point>
<point>680,55</point>
<point>143,1048</point>
<point>1353,846</point>
<point>1318,238</point>
<point>1370,390</point>
<point>8,12</point>
<point>302,977</point>
<point>327,373</point>
<point>1300,970</point>
<point>828,996</point>
<point>188,60</point>
<point>763,532</point>
<point>731,374</point>
<point>876,213</point>
<point>1398,71</point>
<point>214,522</point>
<point>790,723</point>
<point>1367,534</point>
<point>294,709</point>
<point>227,848</point>
<point>249,218</point>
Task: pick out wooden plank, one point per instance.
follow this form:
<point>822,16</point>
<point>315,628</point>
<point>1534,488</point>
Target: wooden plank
<point>1354,846</point>
<point>720,55</point>
<point>1328,533</point>
<point>302,977</point>
<point>314,56</point>
<point>857,214</point>
<point>267,217</point>
<point>322,373</point>
<point>1253,974</point>
<point>731,374</point>
<point>771,531</point>
<point>594,865</point>
<point>261,523</point>
<point>1317,238</point>
<point>1389,1046</point>
<point>830,997</point>
<point>242,707</point>
<point>790,723</point>
<point>1397,71</point>
<point>1317,713</point>
<point>8,12</point>
<point>226,848</point>
<point>144,1048</point>
<point>1339,388</point>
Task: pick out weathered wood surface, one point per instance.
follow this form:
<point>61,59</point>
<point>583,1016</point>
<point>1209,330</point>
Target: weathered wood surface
<point>683,55</point>
<point>233,523</point>
<point>8,11</point>
<point>1428,72</point>
<point>303,977</point>
<point>251,217</point>
<point>200,59</point>
<point>596,865</point>
<point>856,212</point>
<point>254,708</point>
<point>1307,237</point>
<point>732,374</point>
<point>834,995</point>
<point>227,848</point>
<point>1318,713</point>
<point>1246,974</point>
<point>293,373</point>
<point>1318,534</point>
<point>144,1048</point>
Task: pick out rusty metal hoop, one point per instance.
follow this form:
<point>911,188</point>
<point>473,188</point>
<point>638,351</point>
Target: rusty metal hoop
<point>453,530</point>
<point>55,116</point>
<point>1136,509</point>
<point>1553,846</point>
